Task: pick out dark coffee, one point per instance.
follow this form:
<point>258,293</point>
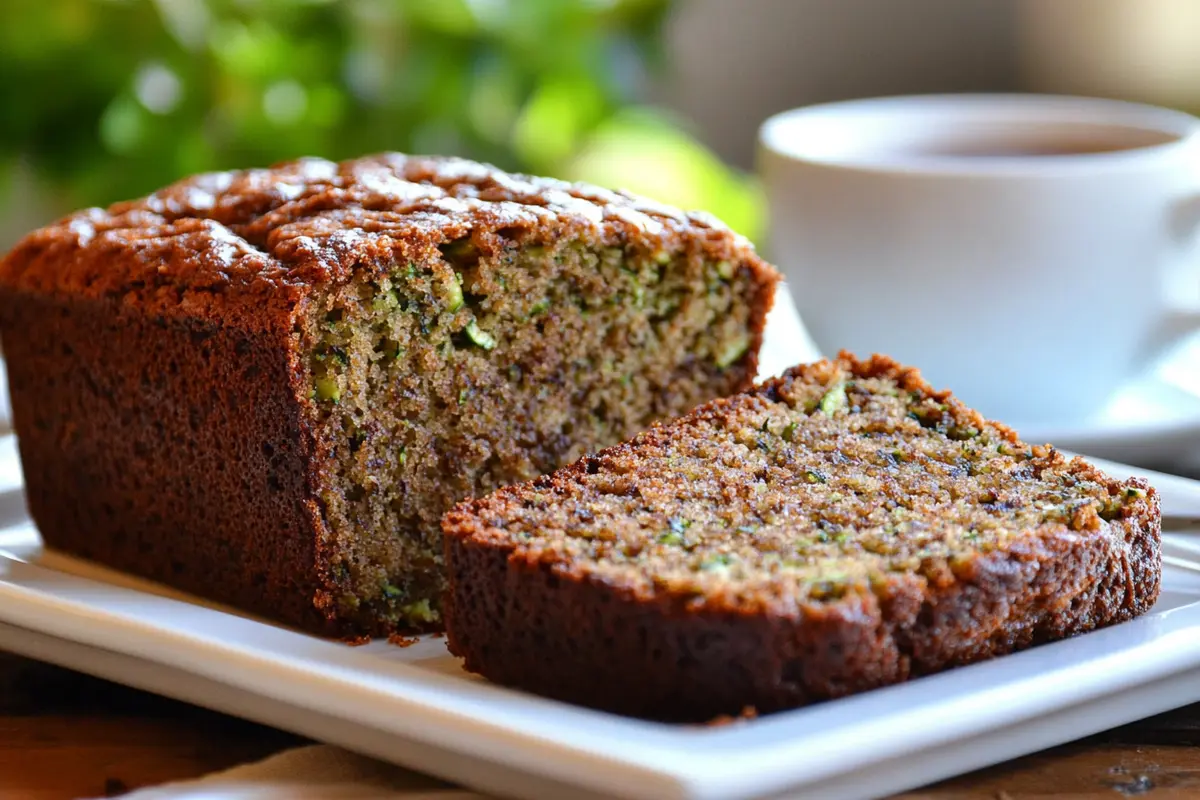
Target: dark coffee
<point>1027,141</point>
<point>1027,149</point>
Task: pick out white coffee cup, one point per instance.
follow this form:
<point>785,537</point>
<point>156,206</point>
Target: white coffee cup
<point>1029,252</point>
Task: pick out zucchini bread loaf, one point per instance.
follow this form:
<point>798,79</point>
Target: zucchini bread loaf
<point>266,387</point>
<point>840,528</point>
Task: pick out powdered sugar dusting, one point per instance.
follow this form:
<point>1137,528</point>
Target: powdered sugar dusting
<point>83,228</point>
<point>388,184</point>
<point>289,191</point>
<point>200,199</point>
<point>225,247</point>
<point>634,217</point>
<point>575,205</point>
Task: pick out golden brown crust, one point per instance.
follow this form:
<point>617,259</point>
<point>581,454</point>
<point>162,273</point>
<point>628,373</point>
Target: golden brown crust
<point>157,367</point>
<point>526,613</point>
<point>313,222</point>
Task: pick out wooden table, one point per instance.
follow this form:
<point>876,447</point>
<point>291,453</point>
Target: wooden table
<point>67,735</point>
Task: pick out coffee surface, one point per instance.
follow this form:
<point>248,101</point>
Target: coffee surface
<point>1049,147</point>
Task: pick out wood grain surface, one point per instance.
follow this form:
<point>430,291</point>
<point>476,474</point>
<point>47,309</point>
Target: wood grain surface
<point>66,735</point>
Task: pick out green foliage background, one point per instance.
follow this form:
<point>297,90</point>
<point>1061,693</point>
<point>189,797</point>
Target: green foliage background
<point>109,99</point>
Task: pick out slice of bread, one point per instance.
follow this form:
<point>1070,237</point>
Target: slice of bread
<point>840,528</point>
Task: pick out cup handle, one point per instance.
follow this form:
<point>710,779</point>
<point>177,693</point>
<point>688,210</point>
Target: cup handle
<point>1182,314</point>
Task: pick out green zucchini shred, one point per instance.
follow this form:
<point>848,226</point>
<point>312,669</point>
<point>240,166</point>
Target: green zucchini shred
<point>732,351</point>
<point>834,400</point>
<point>328,389</point>
<point>479,336</point>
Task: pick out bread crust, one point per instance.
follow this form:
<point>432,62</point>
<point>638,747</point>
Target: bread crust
<point>187,461</point>
<point>526,619</point>
<point>157,369</point>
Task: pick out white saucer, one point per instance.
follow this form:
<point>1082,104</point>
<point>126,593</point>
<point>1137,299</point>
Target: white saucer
<point>1153,421</point>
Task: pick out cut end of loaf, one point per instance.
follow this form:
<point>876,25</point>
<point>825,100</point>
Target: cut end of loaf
<point>496,361</point>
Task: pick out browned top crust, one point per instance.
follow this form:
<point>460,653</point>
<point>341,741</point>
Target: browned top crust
<point>282,230</point>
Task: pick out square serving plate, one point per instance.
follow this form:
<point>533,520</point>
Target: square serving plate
<point>414,706</point>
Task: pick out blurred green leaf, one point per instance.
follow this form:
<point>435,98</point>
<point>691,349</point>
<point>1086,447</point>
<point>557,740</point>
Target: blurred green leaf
<point>123,127</point>
<point>558,113</point>
<point>109,99</point>
<point>456,17</point>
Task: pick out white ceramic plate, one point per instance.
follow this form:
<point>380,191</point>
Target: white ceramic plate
<point>415,707</point>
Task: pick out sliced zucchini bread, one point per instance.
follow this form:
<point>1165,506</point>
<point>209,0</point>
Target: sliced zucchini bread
<point>267,386</point>
<point>837,529</point>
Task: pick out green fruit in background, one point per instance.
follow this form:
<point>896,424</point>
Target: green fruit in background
<point>642,151</point>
